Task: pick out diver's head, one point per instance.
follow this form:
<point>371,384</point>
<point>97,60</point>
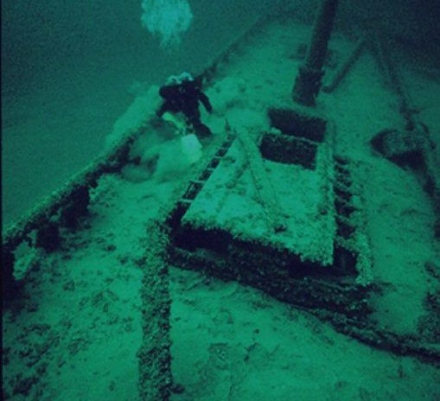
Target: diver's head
<point>179,79</point>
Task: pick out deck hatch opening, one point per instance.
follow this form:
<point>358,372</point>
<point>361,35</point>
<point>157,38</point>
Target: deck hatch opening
<point>292,123</point>
<point>289,150</point>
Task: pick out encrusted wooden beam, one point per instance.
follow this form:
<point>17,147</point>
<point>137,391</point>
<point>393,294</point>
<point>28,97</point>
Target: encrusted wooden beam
<point>155,352</point>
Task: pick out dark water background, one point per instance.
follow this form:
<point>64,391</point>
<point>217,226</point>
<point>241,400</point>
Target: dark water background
<point>67,67</point>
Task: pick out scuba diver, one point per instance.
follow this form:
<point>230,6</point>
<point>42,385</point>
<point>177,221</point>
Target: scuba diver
<point>182,94</point>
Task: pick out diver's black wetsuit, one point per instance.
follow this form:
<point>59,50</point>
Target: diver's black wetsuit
<point>185,98</point>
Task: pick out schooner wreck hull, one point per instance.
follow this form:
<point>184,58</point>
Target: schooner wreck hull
<point>283,200</point>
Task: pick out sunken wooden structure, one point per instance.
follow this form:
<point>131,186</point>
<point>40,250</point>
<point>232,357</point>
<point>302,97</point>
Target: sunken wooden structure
<point>311,251</point>
<point>306,245</point>
<point>336,292</point>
